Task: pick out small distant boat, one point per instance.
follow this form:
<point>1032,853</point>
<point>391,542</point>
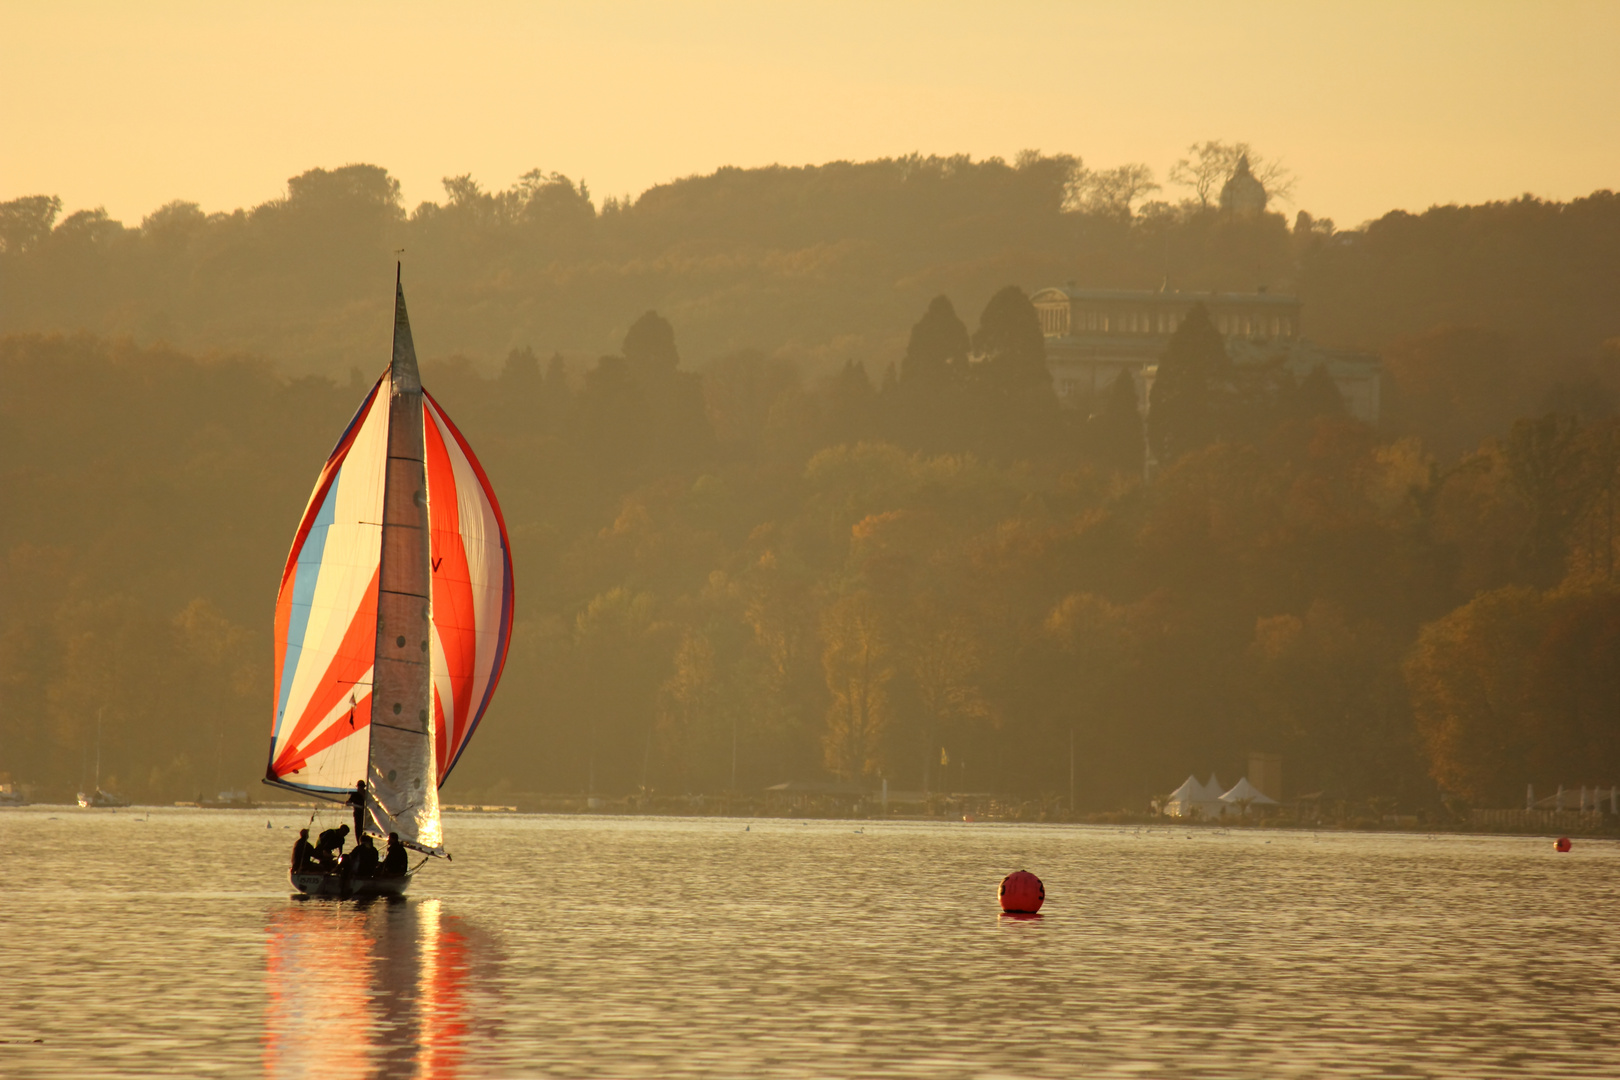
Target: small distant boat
<point>393,618</point>
<point>97,798</point>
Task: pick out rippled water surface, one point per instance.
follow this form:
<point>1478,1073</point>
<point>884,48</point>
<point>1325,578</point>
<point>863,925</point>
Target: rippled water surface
<point>136,944</point>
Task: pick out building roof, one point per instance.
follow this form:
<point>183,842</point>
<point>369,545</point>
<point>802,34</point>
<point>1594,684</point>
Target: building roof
<point>1161,296</point>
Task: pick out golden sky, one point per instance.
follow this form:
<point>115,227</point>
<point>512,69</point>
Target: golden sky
<point>1373,105</point>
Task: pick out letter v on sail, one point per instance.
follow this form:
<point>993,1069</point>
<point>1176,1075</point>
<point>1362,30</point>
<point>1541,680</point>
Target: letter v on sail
<point>395,610</point>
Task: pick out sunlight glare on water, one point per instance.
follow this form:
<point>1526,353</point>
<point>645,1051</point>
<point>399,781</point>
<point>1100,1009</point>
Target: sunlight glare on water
<point>134,944</point>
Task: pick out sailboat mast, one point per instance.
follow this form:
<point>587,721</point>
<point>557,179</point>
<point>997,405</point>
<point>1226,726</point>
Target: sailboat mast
<point>401,775</point>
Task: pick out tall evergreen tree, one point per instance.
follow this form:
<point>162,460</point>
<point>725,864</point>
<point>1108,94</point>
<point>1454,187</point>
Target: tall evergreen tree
<point>1015,404</point>
<point>938,347</point>
<point>1010,342</point>
<point>681,430</point>
<point>929,408</point>
<point>1181,410</point>
<point>649,345</point>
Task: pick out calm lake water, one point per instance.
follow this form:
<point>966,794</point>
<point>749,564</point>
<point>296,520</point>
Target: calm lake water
<point>138,945</point>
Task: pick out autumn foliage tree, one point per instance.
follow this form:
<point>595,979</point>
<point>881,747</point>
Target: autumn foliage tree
<point>858,659</point>
<point>1518,687</point>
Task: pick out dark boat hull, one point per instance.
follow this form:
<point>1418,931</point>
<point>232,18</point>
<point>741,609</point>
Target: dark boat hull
<point>333,886</point>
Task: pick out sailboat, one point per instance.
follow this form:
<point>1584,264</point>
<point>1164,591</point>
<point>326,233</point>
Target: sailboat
<point>96,798</point>
<point>393,618</point>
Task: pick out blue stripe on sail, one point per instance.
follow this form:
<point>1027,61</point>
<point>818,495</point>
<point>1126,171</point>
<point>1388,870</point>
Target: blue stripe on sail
<point>317,789</point>
<point>305,578</point>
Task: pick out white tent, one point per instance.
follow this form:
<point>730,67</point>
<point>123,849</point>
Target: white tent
<point>1181,800</point>
<point>1245,793</point>
<point>1213,789</point>
<point>1192,797</point>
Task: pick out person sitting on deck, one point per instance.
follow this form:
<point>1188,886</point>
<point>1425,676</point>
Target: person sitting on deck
<point>357,799</point>
<point>303,853</point>
<point>360,863</point>
<point>330,846</point>
<point>396,862</point>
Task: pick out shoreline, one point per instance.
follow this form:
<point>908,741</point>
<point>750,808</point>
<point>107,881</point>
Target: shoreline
<point>1566,823</point>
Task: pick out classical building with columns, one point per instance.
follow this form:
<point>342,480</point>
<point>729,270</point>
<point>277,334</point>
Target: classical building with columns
<point>1093,335</point>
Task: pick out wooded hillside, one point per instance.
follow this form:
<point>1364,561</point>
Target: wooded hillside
<point>786,528</point>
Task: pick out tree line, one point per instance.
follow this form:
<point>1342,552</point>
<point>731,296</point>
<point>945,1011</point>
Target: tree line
<point>808,264</point>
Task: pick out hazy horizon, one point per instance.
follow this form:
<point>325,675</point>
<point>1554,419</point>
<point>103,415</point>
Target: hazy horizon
<point>220,107</point>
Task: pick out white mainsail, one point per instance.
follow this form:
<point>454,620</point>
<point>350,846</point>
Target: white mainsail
<point>401,777</point>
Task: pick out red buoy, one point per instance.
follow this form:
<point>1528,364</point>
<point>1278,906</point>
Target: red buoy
<point>1021,893</point>
<point>1562,844</point>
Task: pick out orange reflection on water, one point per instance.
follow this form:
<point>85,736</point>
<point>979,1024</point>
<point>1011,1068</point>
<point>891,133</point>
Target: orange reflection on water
<point>444,1015</point>
<point>365,990</point>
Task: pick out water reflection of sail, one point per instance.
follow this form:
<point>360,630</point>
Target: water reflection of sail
<point>445,958</point>
<point>372,991</point>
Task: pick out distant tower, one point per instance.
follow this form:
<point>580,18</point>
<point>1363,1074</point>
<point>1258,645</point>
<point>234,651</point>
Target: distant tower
<point>1243,195</point>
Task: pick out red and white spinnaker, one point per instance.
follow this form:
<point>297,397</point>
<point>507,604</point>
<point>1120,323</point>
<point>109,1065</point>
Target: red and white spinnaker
<point>395,609</point>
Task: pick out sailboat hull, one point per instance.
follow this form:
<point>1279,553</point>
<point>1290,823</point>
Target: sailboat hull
<point>332,886</point>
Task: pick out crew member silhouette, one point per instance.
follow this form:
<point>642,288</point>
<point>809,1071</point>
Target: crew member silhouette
<point>396,862</point>
<point>357,799</point>
<point>330,846</point>
<point>303,853</point>
<point>361,863</point>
